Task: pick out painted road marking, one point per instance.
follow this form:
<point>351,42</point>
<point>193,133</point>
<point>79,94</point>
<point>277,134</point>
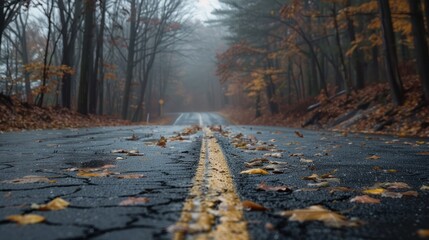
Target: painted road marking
<point>177,120</point>
<point>213,209</point>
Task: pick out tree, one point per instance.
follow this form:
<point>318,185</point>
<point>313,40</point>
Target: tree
<point>70,18</point>
<point>391,59</point>
<point>87,61</point>
<point>420,45</point>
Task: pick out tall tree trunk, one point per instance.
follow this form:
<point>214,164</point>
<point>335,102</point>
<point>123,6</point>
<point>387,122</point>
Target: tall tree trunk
<point>69,41</point>
<point>347,82</point>
<point>391,59</point>
<point>99,59</point>
<point>87,57</point>
<point>420,45</point>
<point>357,57</point>
<point>130,60</point>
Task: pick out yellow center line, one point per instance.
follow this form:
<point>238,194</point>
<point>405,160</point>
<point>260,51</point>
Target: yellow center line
<point>213,209</point>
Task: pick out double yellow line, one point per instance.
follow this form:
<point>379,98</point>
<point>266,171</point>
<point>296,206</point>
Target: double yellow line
<point>213,209</point>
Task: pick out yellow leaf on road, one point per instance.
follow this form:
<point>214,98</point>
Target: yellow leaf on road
<point>26,219</point>
<point>255,171</point>
<point>54,205</point>
<point>374,191</point>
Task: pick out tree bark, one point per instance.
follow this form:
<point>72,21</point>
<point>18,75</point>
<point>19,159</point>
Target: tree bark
<point>130,60</point>
<point>420,45</point>
<point>391,59</point>
<point>87,57</point>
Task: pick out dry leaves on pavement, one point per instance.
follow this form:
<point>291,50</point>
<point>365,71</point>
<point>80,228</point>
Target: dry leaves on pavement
<point>319,213</point>
<point>54,205</point>
<point>30,179</point>
<point>134,201</point>
<point>26,219</point>
<point>365,199</point>
<point>264,187</point>
<point>255,171</point>
<point>252,206</point>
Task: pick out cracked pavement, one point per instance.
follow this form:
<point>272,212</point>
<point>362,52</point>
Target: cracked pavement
<point>95,213</point>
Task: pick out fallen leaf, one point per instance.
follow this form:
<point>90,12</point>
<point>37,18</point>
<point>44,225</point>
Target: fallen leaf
<point>54,205</point>
<point>299,134</point>
<point>130,176</point>
<point>395,185</point>
<point>257,162</point>
<point>364,199</point>
<point>134,153</point>
<point>265,187</point>
<point>410,194</point>
<point>373,157</point>
<point>319,185</point>
<point>339,189</point>
<point>391,194</point>
<point>423,153</point>
<point>30,179</point>
<point>132,138</point>
<point>425,188</point>
<point>26,219</point>
<point>390,171</point>
<point>119,151</point>
<point>374,191</point>
<point>313,177</point>
<point>162,142</point>
<point>119,158</point>
<point>89,174</point>
<point>296,155</point>
<point>134,201</point>
<point>303,160</point>
<point>255,171</point>
<point>319,213</point>
<point>423,233</point>
<point>252,206</point>
<point>274,155</point>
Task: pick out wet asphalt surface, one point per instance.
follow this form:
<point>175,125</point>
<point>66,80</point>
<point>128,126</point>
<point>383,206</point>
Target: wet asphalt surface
<point>95,211</point>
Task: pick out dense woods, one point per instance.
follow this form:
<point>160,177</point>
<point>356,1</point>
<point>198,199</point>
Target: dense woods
<point>134,58</point>
<point>283,52</point>
<point>117,57</point>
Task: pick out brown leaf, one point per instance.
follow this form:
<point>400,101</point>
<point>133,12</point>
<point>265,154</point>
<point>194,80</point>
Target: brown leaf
<point>265,187</point>
<point>319,213</point>
<point>425,188</point>
<point>130,176</point>
<point>395,185</point>
<point>423,153</point>
<point>313,177</point>
<point>364,199</point>
<point>134,201</point>
<point>252,206</point>
<point>162,142</point>
<point>54,205</point>
<point>89,174</point>
<point>339,189</point>
<point>30,179</point>
<point>255,171</point>
<point>299,134</point>
<point>26,219</point>
<point>373,157</point>
<point>257,162</point>
<point>423,233</point>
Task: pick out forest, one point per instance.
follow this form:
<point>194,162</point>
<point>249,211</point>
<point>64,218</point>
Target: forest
<point>123,58</point>
<point>292,56</point>
<point>131,58</point>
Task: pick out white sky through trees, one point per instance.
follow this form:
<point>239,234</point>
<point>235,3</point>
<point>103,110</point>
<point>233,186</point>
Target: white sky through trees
<point>204,8</point>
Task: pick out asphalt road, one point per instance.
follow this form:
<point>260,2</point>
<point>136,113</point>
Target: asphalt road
<point>80,166</point>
